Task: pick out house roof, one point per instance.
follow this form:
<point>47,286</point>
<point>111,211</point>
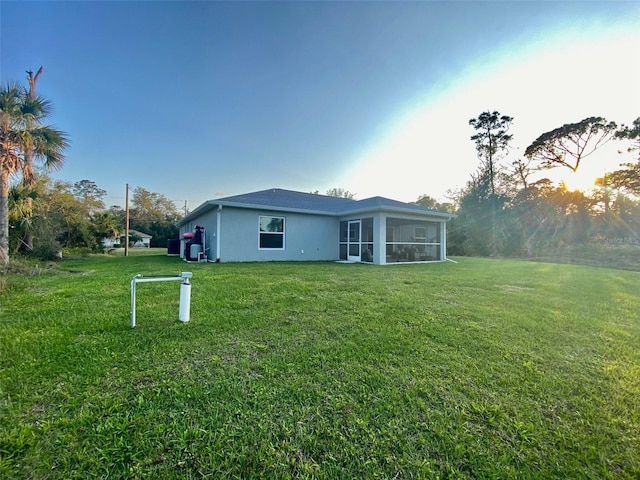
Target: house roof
<point>382,203</point>
<point>279,198</point>
<point>139,234</point>
<point>292,201</point>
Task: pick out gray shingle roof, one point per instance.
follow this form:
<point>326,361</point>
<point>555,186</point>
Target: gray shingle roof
<point>382,202</point>
<point>280,199</point>
<point>140,234</point>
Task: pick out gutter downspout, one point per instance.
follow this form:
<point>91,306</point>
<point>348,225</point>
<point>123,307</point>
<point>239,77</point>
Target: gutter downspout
<point>443,242</point>
<point>218,233</point>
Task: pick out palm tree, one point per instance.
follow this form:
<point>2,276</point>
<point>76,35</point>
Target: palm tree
<point>23,206</point>
<point>22,135</point>
<point>28,177</point>
<point>105,225</point>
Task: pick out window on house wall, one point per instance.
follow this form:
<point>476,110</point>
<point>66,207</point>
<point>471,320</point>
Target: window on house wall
<point>271,232</point>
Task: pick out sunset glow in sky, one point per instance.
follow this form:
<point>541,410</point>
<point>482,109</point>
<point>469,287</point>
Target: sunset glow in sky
<point>200,99</point>
<point>537,89</point>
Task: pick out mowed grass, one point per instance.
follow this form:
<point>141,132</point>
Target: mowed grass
<point>482,369</point>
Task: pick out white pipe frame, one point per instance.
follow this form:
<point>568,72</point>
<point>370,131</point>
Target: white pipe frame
<point>185,292</point>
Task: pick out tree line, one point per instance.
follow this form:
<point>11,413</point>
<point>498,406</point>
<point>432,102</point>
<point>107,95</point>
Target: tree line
<point>73,216</point>
<point>502,211</point>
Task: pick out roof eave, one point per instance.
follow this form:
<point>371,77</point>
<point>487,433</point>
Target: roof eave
<point>406,211</point>
<point>275,208</point>
<point>211,204</point>
<point>200,209</point>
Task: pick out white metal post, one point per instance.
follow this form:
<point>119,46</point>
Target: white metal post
<point>185,293</point>
<point>133,301</point>
<point>185,301</point>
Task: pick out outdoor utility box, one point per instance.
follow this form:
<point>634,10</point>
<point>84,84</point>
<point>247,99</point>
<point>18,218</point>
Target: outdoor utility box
<point>173,247</point>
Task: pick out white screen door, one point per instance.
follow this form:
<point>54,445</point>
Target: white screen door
<point>353,243</point>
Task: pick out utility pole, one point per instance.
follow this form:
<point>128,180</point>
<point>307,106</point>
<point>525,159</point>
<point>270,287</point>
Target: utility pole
<point>126,223</point>
<point>186,210</point>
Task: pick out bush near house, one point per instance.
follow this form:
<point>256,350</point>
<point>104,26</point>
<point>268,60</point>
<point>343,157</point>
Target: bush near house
<point>484,369</point>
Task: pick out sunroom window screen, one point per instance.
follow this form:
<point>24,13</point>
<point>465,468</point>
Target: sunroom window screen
<point>272,232</point>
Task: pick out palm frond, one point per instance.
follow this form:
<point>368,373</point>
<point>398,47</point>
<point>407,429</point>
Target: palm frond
<point>35,109</point>
<point>49,145</point>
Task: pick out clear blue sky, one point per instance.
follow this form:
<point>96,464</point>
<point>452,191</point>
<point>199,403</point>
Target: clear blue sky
<point>196,100</point>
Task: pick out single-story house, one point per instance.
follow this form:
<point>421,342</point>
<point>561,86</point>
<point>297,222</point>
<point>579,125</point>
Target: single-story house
<point>142,240</point>
<point>111,242</point>
<point>278,224</point>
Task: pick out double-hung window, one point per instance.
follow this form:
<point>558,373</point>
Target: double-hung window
<point>271,232</point>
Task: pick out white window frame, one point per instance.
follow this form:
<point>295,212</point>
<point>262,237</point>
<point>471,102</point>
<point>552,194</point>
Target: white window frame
<point>283,233</point>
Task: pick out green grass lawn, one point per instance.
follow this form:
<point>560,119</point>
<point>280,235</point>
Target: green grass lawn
<point>482,369</point>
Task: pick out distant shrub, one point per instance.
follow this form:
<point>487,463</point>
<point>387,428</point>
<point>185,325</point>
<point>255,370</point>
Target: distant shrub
<point>46,248</point>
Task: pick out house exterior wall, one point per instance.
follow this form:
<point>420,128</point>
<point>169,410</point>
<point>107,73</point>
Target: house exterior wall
<point>110,242</point>
<point>307,237</point>
<point>145,242</point>
<point>208,221</point>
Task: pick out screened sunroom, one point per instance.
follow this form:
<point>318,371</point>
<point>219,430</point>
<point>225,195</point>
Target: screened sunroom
<point>404,240</point>
<point>356,240</point>
<point>413,241</point>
